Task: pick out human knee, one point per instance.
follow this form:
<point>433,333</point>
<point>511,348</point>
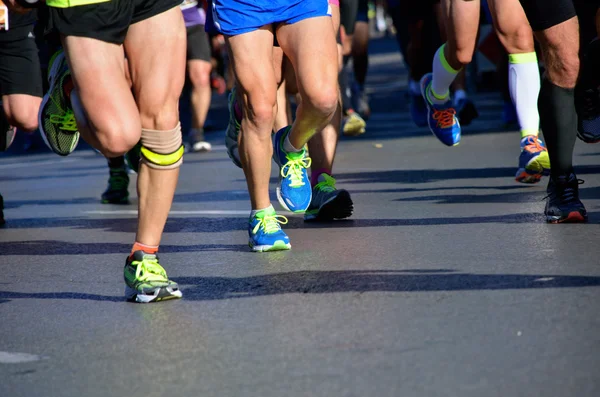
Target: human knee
<point>162,149</point>
<point>562,65</point>
<point>23,115</point>
<point>118,138</point>
<point>200,75</point>
<point>517,41</point>
<point>159,112</point>
<point>261,108</point>
<point>323,99</point>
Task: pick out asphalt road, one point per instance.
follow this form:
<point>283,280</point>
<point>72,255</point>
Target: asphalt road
<point>445,282</point>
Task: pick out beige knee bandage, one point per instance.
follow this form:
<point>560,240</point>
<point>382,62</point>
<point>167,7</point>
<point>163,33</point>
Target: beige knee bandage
<point>162,149</point>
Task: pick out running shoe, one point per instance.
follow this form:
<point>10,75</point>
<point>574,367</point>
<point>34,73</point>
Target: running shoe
<point>197,142</point>
<point>418,109</point>
<point>56,120</point>
<point>146,281</point>
<point>117,191</point>
<point>442,119</point>
<point>7,131</point>
<point>293,191</point>
<point>2,221</point>
<point>353,124</point>
<point>328,203</point>
<point>563,204</point>
<point>466,111</point>
<point>233,131</point>
<point>534,161</point>
<point>133,157</point>
<point>265,232</point>
<point>360,101</point>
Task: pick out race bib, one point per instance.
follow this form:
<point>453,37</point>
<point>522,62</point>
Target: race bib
<point>188,4</point>
<point>3,16</point>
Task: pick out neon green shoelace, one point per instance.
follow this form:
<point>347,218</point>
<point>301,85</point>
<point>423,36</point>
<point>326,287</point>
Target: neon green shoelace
<point>270,223</point>
<point>293,169</point>
<point>149,269</point>
<point>327,185</point>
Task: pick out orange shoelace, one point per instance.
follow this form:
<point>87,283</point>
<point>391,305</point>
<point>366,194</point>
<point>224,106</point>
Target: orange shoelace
<point>445,118</point>
<point>533,146</point>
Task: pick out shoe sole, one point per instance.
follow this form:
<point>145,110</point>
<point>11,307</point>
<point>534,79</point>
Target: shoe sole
<point>118,202</point>
<point>524,177</point>
<point>338,207</point>
<point>162,294</point>
<point>573,217</point>
<point>278,246</point>
<point>53,71</point>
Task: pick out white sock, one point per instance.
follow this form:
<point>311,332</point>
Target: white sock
<point>414,87</point>
<point>287,145</point>
<point>524,87</point>
<point>443,76</point>
<point>254,212</point>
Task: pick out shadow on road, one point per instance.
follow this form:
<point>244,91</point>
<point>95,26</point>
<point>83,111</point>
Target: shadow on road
<point>326,282</point>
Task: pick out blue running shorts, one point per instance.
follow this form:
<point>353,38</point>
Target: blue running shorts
<point>233,17</point>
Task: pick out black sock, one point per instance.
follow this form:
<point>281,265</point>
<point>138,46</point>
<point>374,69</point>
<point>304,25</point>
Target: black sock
<point>116,162</point>
<point>558,121</point>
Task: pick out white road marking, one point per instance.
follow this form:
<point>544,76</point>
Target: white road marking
<point>17,358</point>
<point>542,279</point>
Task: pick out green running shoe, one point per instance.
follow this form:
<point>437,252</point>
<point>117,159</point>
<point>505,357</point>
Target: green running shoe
<point>56,119</point>
<point>117,191</point>
<point>146,280</point>
<point>328,203</point>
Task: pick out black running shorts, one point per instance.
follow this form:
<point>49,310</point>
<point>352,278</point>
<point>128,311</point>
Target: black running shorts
<point>20,71</point>
<point>198,46</point>
<point>106,21</point>
<point>544,14</point>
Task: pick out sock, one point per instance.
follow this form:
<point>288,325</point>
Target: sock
<point>443,76</point>
<point>197,134</point>
<point>559,123</point>
<point>116,162</point>
<point>524,87</point>
<point>149,249</point>
<point>254,212</point>
<point>315,175</point>
<point>287,145</point>
<point>414,87</point>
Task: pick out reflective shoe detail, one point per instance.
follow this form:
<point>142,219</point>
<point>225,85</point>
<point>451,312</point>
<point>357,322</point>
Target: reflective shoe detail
<point>442,119</point>
<point>233,131</point>
<point>293,191</point>
<point>117,191</point>
<point>534,161</point>
<point>353,124</point>
<point>265,233</point>
<point>328,203</point>
<point>146,281</point>
<point>57,123</point>
<point>563,204</point>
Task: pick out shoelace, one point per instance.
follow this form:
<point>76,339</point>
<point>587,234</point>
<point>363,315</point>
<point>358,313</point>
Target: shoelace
<point>66,122</point>
<point>445,117</point>
<point>118,181</point>
<point>533,145</point>
<point>569,193</point>
<point>293,169</point>
<point>270,224</point>
<point>149,269</point>
<point>327,185</point>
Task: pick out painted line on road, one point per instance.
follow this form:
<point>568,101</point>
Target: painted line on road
<point>17,358</point>
<point>199,212</point>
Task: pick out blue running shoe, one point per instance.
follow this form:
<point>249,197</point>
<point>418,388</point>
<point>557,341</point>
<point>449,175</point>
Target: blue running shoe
<point>442,119</point>
<point>534,161</point>
<point>294,191</point>
<point>265,232</point>
<point>418,109</point>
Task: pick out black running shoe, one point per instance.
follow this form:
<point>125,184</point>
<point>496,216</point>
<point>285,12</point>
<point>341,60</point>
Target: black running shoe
<point>328,203</point>
<point>117,191</point>
<point>563,204</point>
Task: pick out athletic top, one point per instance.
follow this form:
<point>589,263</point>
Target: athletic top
<point>192,14</point>
<point>72,3</point>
